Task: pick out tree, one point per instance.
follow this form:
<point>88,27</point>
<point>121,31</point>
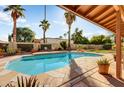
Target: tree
<point>16,12</point>
<point>60,37</point>
<point>84,40</point>
<point>70,18</point>
<point>45,26</point>
<point>63,45</point>
<point>65,34</point>
<point>78,38</point>
<point>100,39</point>
<point>23,35</point>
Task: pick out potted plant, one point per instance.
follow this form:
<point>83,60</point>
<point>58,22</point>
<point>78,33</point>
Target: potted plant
<point>103,65</point>
<point>33,51</point>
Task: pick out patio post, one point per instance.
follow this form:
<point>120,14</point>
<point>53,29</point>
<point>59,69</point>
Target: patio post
<point>118,45</point>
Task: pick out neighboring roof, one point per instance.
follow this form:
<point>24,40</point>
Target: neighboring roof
<point>50,38</point>
<point>102,15</point>
<point>55,38</point>
<point>37,40</point>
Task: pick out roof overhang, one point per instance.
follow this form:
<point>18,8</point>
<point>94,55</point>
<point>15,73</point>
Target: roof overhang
<point>101,15</point>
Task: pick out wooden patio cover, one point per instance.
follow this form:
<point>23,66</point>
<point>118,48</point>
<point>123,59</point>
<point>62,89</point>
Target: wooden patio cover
<point>109,17</point>
<point>102,15</point>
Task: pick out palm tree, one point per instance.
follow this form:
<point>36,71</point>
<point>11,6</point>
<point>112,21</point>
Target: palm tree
<point>45,25</point>
<point>16,12</point>
<point>70,18</point>
<point>65,34</point>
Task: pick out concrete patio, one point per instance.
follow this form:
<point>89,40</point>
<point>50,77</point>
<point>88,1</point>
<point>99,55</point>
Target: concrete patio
<point>83,72</point>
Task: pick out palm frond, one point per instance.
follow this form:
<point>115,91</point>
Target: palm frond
<point>15,9</point>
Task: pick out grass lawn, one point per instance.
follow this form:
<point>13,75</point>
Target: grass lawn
<point>101,51</point>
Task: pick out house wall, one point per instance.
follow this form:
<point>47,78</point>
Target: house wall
<point>53,40</point>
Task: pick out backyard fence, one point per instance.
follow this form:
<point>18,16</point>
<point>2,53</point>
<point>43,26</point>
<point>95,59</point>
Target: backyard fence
<point>26,46</point>
<point>86,46</point>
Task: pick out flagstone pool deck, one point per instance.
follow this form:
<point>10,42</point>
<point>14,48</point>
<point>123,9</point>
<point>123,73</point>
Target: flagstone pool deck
<point>83,72</point>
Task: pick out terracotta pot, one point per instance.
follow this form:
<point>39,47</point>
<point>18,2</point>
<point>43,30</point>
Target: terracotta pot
<point>103,68</point>
<point>33,51</point>
<point>1,54</point>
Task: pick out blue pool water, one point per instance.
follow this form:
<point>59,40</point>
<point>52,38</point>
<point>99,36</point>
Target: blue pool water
<point>37,64</point>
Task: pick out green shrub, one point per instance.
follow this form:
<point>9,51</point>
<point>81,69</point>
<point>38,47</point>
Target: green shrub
<point>107,46</point>
<point>25,47</point>
<point>63,45</point>
<point>4,46</point>
<point>103,61</point>
<point>81,47</point>
<point>1,52</point>
<point>100,39</point>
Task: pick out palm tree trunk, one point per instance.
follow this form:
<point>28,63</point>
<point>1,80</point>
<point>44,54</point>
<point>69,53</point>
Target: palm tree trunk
<point>69,39</point>
<point>14,30</point>
<point>44,37</point>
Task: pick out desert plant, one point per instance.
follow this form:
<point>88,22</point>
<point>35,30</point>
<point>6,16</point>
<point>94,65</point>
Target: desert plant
<point>103,61</point>
<point>11,51</point>
<point>25,82</point>
<point>63,45</point>
<point>103,65</point>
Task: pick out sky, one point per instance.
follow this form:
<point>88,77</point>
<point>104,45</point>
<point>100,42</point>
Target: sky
<point>55,15</point>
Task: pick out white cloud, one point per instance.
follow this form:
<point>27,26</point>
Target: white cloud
<point>7,20</point>
<point>21,20</point>
<point>59,22</point>
<point>5,17</point>
<point>27,25</point>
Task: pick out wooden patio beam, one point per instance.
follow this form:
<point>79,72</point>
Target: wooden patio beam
<point>113,25</point>
<point>110,22</point>
<point>80,15</point>
<point>121,9</point>
<point>101,12</point>
<point>106,16</point>
<point>118,45</point>
<point>108,19</point>
<point>113,28</point>
<point>90,10</point>
<point>78,8</point>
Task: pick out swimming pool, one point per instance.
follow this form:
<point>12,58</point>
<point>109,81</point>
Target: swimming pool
<point>37,64</point>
